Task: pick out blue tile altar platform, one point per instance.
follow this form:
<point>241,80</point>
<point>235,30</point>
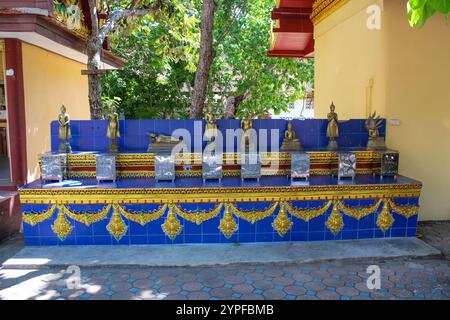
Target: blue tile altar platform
<point>137,210</point>
<point>142,211</point>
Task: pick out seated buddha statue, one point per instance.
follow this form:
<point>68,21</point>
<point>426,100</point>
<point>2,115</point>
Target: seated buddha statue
<point>290,141</point>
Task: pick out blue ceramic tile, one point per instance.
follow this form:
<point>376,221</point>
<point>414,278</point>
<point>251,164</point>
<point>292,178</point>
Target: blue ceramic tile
<point>138,240</point>
<point>156,239</point>
<point>211,238</point>
<point>69,241</point>
<point>330,236</point>
<point>411,232</point>
<point>247,237</point>
<point>299,236</point>
<point>211,226</point>
<point>349,235</point>
<point>233,239</point>
<point>135,229</point>
<point>191,227</point>
<point>32,241</point>
<point>367,222</point>
<point>317,224</point>
<point>193,238</point>
<point>48,241</point>
<point>381,234</point>
<point>30,231</point>
<point>132,128</point>
<point>278,238</point>
<point>124,240</point>
<point>399,221</point>
<point>84,240</point>
<point>264,237</point>
<point>349,223</point>
<point>316,236</point>
<point>398,232</point>
<point>102,240</point>
<point>365,234</point>
<point>412,222</point>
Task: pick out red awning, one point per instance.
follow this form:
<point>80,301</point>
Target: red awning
<point>293,32</point>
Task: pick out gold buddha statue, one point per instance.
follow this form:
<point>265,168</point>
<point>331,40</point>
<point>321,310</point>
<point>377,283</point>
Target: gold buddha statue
<point>290,141</point>
<point>211,127</point>
<point>332,128</point>
<point>113,131</point>
<point>64,132</point>
<point>246,125</point>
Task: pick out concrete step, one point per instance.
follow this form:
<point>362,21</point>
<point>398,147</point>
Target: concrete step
<point>195,255</point>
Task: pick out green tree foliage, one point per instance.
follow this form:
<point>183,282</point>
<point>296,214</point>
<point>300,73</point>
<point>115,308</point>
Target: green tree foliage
<point>157,80</point>
<point>419,11</point>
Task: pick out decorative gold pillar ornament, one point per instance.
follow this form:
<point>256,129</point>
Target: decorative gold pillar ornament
<point>61,227</point>
<point>385,218</point>
<point>172,226</point>
<point>335,223</point>
<point>228,225</point>
<point>116,227</point>
<point>113,132</point>
<point>282,224</point>
<point>332,128</point>
<point>64,131</point>
<point>290,142</point>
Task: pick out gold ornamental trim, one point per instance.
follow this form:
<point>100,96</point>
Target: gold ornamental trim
<point>407,211</point>
<point>172,226</point>
<point>308,214</point>
<point>282,224</point>
<point>86,217</point>
<point>359,212</point>
<point>116,226</point>
<point>210,195</point>
<point>143,217</point>
<point>62,228</point>
<point>198,216</point>
<point>254,215</point>
<point>228,225</point>
<point>335,223</point>
<point>324,8</point>
<point>385,218</point>
<point>33,218</point>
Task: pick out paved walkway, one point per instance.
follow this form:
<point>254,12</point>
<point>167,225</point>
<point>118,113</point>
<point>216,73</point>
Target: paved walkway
<point>420,279</point>
<point>400,279</point>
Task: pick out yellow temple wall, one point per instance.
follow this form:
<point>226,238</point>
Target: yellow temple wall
<point>418,94</point>
<point>411,85</point>
<point>347,60</point>
<point>50,80</point>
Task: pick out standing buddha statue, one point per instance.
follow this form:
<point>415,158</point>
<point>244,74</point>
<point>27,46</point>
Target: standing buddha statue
<point>332,128</point>
<point>64,131</point>
<point>113,131</point>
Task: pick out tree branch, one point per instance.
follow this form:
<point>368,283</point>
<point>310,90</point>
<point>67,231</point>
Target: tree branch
<point>110,23</point>
<point>94,17</point>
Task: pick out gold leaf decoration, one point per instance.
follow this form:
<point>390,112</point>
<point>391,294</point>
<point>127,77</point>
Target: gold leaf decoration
<point>308,214</point>
<point>88,218</point>
<point>282,224</point>
<point>228,225</point>
<point>116,227</point>
<point>172,226</point>
<point>254,216</point>
<point>385,218</point>
<point>34,218</point>
<point>359,212</point>
<point>335,223</point>
<point>407,211</point>
<point>62,228</point>
<point>143,217</point>
<point>198,217</point>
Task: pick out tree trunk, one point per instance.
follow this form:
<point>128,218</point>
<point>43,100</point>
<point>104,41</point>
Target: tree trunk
<point>205,59</point>
<point>94,49</point>
<point>233,106</point>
